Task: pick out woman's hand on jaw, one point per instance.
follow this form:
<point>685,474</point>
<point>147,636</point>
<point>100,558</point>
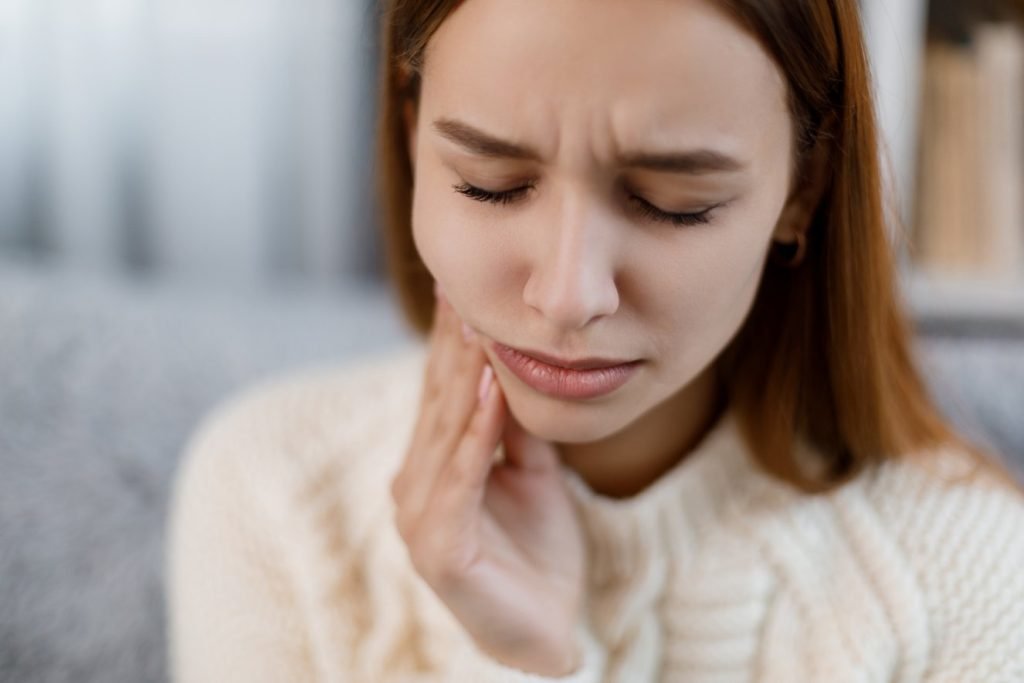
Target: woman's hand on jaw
<point>499,543</point>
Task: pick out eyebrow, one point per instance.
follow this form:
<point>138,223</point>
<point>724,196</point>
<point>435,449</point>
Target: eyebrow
<point>692,162</point>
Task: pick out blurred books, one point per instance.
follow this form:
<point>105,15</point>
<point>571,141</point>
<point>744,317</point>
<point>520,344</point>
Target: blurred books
<point>969,216</point>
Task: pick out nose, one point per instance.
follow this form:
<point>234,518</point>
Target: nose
<point>573,278</point>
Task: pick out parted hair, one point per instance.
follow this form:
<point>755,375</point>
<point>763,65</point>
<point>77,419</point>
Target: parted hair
<point>826,354</point>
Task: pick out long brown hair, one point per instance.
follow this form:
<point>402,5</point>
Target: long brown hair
<point>825,354</point>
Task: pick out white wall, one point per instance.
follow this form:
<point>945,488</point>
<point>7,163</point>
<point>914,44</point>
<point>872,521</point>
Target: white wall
<point>225,139</point>
<point>894,32</point>
<point>210,139</point>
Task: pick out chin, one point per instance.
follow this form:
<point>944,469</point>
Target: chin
<point>560,421</point>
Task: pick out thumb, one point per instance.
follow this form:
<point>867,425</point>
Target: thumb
<point>526,451</point>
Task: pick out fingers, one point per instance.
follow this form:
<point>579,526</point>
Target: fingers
<point>433,384</point>
<point>448,404</point>
<point>453,418</point>
<point>411,474</point>
<point>462,483</point>
<point>444,348</point>
<point>447,354</point>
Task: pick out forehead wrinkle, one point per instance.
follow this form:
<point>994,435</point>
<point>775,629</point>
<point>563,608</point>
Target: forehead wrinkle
<point>584,136</point>
<point>571,118</point>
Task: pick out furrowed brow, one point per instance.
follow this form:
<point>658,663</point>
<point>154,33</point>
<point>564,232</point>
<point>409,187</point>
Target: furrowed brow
<point>690,162</point>
<point>481,143</point>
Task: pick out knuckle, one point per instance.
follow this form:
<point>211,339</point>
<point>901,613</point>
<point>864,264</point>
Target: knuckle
<point>432,388</point>
<point>460,472</point>
<point>442,426</point>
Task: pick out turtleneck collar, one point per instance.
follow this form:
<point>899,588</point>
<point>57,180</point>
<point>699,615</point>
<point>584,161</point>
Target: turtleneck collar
<point>665,517</point>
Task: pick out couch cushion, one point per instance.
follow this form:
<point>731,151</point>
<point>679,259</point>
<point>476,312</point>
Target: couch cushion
<point>100,385</point>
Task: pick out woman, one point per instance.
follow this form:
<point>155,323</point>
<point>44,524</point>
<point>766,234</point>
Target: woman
<point>667,425</point>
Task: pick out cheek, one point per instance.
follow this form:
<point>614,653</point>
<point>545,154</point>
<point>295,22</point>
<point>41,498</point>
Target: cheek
<point>705,293</point>
<point>455,248</point>
<point>436,230</point>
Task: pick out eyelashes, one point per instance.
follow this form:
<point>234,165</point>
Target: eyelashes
<point>680,219</point>
<point>481,195</point>
<point>645,208</point>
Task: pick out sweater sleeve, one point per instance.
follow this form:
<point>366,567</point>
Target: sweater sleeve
<point>970,563</point>
<point>232,615</point>
<point>471,664</point>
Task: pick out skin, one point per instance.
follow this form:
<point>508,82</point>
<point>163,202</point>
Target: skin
<point>573,267</point>
<point>500,545</point>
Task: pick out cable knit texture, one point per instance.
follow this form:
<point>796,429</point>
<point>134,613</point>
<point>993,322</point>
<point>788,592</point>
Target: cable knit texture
<point>284,563</point>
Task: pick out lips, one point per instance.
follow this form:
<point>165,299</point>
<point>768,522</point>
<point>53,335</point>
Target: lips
<point>590,378</point>
<point>589,363</point>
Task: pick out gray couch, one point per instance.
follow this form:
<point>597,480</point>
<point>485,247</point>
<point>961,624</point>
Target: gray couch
<point>101,383</point>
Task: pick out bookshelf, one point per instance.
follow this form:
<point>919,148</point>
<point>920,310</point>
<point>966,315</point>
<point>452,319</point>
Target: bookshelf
<point>949,79</point>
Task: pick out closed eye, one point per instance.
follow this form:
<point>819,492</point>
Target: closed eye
<point>653,212</point>
<point>645,208</point>
<point>503,197</point>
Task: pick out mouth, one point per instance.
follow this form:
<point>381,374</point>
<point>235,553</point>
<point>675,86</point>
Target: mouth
<point>577,379</point>
<point>588,363</point>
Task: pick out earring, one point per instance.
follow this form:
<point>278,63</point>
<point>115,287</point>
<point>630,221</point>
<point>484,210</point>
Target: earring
<point>792,253</point>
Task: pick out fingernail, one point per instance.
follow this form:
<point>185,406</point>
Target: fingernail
<point>467,332</point>
<point>485,382</point>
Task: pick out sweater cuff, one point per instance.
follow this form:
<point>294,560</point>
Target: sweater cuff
<point>471,664</point>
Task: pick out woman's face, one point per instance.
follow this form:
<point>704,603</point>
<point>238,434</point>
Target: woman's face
<point>613,114</point>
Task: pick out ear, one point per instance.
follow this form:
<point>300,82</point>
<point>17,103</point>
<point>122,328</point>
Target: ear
<point>806,195</point>
<point>409,117</point>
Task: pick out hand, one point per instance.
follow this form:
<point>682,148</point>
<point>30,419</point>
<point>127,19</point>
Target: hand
<point>500,544</point>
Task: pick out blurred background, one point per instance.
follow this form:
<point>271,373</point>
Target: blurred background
<point>186,208</point>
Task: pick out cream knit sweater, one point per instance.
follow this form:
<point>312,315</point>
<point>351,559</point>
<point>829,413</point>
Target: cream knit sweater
<point>284,564</point>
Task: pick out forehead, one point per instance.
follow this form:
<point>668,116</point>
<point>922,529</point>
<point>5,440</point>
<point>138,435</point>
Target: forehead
<point>630,72</point>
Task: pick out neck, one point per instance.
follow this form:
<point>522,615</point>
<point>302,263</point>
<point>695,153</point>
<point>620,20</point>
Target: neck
<point>627,462</point>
